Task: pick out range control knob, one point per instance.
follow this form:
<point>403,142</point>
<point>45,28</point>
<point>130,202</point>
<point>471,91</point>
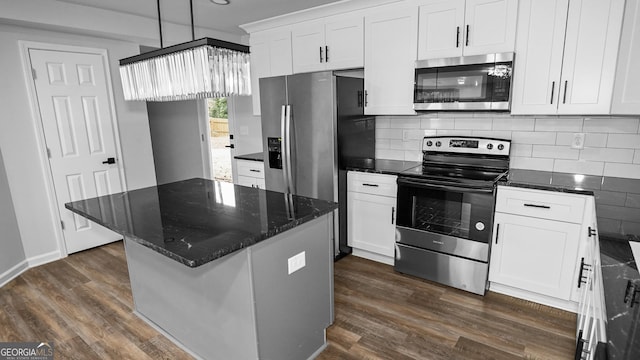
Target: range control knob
<point>438,143</point>
<point>489,146</point>
<point>429,143</point>
<point>500,146</point>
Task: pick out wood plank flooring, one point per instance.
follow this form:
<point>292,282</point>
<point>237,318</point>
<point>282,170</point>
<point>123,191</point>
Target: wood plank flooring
<point>83,303</point>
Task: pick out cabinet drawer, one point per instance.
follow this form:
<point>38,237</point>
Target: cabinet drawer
<point>540,204</point>
<point>250,168</point>
<point>374,184</point>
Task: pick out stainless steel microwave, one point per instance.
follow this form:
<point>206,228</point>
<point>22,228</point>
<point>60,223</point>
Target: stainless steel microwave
<point>479,82</point>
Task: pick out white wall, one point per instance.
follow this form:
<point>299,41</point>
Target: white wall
<point>612,144</point>
<point>19,138</point>
<point>176,137</point>
<point>12,259</point>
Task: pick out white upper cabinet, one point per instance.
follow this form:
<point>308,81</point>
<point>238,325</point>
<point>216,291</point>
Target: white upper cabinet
<point>270,56</point>
<point>566,54</point>
<point>333,43</point>
<point>626,93</point>
<point>471,27</point>
<point>389,61</point>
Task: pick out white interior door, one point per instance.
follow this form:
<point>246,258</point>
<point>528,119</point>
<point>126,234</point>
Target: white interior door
<point>74,105</point>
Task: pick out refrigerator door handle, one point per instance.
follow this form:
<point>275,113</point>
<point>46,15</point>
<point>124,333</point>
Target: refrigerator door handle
<point>289,172</point>
<point>283,129</point>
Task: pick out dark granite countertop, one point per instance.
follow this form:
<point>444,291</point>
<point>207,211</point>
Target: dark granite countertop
<point>380,166</point>
<point>196,221</point>
<point>551,181</point>
<point>259,156</point>
<point>623,321</point>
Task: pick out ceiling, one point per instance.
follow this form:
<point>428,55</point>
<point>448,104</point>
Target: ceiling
<point>224,18</point>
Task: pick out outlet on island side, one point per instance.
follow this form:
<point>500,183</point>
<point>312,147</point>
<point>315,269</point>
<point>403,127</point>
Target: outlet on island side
<point>578,141</point>
<point>297,262</point>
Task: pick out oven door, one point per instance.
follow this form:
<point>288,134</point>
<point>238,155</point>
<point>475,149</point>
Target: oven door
<point>443,217</point>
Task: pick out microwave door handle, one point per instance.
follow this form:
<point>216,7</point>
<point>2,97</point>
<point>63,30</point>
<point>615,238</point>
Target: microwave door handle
<point>446,187</point>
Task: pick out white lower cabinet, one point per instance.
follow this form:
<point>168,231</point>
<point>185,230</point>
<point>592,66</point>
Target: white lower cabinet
<point>371,211</point>
<point>250,173</point>
<point>539,238</point>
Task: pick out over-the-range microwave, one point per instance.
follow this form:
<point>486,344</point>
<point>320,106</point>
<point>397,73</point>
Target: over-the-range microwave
<point>479,82</point>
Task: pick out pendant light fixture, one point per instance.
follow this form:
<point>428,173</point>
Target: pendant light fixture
<point>204,68</point>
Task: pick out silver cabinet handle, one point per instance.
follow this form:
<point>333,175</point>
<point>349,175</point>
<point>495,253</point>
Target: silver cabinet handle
<point>467,41</point>
<point>564,97</point>
<point>254,170</point>
<point>457,36</point>
<point>370,185</point>
<point>538,206</point>
<point>497,232</point>
<point>553,87</point>
<point>321,56</point>
<point>366,98</point>
<point>326,54</point>
<point>393,213</point>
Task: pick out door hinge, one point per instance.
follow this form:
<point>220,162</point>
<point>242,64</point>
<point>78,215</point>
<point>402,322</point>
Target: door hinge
<point>49,153</point>
<point>33,73</point>
<point>62,224</point>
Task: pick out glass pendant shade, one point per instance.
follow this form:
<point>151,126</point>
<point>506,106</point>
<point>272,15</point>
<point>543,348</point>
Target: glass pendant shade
<point>204,68</point>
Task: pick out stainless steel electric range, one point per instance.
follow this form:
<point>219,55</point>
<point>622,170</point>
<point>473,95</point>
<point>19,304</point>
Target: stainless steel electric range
<point>445,210</point>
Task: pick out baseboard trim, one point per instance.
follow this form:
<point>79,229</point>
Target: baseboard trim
<point>566,305</point>
<point>44,258</point>
<point>14,272</point>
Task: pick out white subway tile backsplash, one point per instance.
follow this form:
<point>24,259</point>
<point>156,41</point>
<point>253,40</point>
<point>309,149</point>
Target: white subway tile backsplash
<point>636,157</point>
<point>389,133</point>
<point>382,143</point>
<point>390,154</point>
<point>415,145</point>
<point>626,141</point>
<point>514,124</point>
<point>579,167</point>
<point>413,155</point>
<point>528,163</point>
<point>405,122</point>
<point>564,138</point>
<point>521,150</point>
<point>417,134</point>
<point>396,144</point>
<point>382,122</point>
<point>531,137</point>
<point>447,132</point>
<point>555,152</point>
<point>437,123</point>
<point>607,155</point>
<point>595,140</point>
<point>559,124</point>
<point>498,134</point>
<point>622,170</point>
<point>611,125</point>
<point>473,123</point>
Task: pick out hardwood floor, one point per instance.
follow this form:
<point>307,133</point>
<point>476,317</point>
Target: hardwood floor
<point>83,303</point>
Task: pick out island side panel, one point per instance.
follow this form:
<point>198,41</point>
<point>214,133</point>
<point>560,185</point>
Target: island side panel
<point>293,310</point>
<point>208,309</point>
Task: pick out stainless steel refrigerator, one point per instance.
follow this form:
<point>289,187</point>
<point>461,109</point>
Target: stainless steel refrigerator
<point>312,127</point>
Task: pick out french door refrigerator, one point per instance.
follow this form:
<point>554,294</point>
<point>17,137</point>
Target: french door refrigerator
<point>312,125</point>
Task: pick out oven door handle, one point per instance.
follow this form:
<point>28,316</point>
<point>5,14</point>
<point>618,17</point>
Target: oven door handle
<point>446,187</point>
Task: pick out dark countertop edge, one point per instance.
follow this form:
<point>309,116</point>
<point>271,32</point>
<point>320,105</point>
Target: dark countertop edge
<point>554,188</point>
<point>259,156</point>
<point>398,167</point>
<point>216,255</point>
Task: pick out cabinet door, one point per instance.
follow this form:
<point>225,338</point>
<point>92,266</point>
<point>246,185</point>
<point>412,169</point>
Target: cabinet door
<point>390,54</point>
<point>490,26</point>
<point>260,66</point>
<point>371,222</point>
<point>246,181</point>
<point>280,53</point>
<point>539,46</point>
<point>308,47</point>
<point>534,254</point>
<point>626,94</point>
<point>590,53</point>
<point>344,43</point>
<point>440,30</point>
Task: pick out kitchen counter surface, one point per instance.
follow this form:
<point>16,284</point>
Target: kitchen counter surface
<point>196,221</point>
<point>380,166</point>
<point>259,156</point>
<point>551,181</point>
<point>623,320</point>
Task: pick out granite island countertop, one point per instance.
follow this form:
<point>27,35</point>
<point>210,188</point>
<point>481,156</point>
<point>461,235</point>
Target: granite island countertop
<point>196,221</point>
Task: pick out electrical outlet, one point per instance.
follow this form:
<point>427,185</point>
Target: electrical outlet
<point>297,262</point>
<point>578,141</point>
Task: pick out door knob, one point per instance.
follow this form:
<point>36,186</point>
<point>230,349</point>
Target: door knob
<point>110,161</point>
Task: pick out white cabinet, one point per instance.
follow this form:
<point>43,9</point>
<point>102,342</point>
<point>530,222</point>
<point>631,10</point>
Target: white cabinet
<point>536,243</point>
<point>389,61</point>
<point>329,44</point>
<point>566,54</point>
<point>250,173</point>
<point>471,27</point>
<point>270,56</point>
<point>626,93</point>
<point>371,204</point>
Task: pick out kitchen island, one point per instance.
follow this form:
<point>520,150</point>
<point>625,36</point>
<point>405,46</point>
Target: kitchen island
<point>226,271</point>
